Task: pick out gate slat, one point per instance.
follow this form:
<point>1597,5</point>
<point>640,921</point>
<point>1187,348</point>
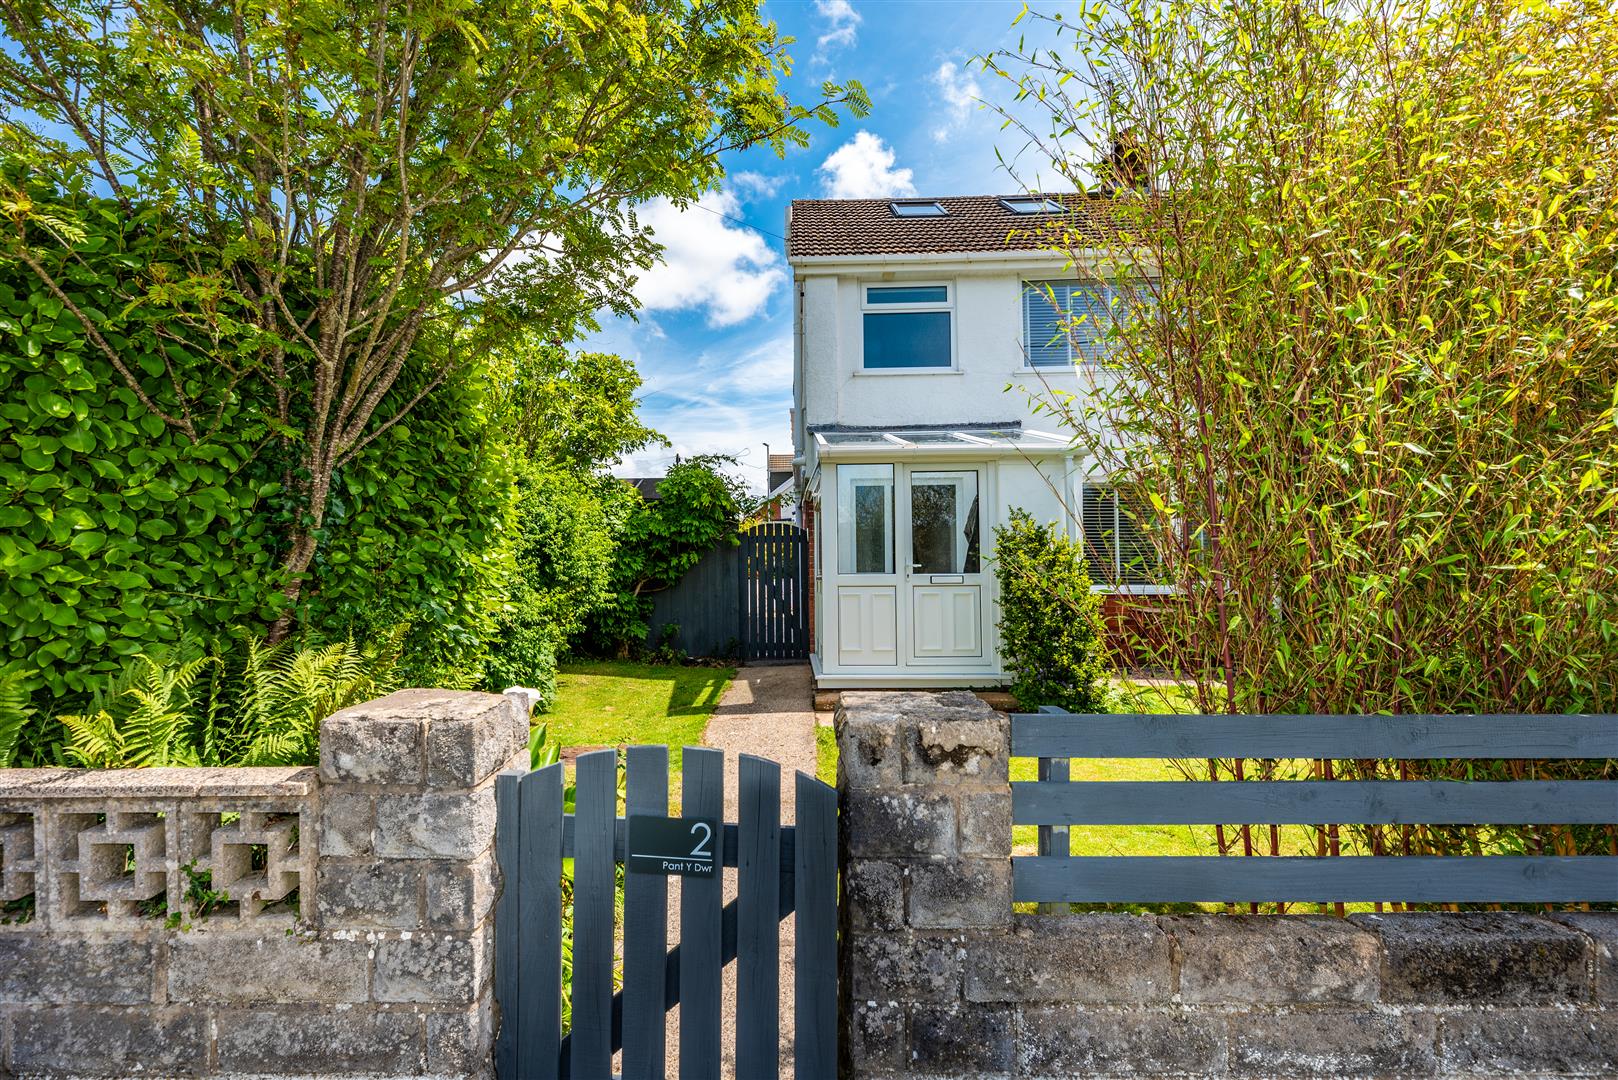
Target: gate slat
<point>507,925</point>
<point>758,961</point>
<point>596,806</point>
<point>702,795</point>
<point>539,904</point>
<point>815,941</point>
<point>646,899</point>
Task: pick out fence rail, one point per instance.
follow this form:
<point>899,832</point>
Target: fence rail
<point>1053,803</point>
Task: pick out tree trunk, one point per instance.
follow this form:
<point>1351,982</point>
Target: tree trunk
<point>305,537</point>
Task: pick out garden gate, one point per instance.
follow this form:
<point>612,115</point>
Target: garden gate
<point>773,573</point>
<point>780,870</point>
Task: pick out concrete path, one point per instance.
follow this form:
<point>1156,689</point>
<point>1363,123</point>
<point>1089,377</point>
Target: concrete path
<point>767,711</point>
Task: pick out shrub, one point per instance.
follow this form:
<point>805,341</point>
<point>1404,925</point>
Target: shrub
<point>567,537</point>
<point>1051,634</point>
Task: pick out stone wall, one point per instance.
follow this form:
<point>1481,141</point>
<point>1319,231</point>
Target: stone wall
<point>943,979</point>
<point>356,934</point>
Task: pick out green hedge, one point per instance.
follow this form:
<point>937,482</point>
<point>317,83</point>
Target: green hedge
<point>117,532</point>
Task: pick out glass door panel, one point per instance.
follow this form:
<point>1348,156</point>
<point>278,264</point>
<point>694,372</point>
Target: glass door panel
<point>865,519</point>
<point>944,532</point>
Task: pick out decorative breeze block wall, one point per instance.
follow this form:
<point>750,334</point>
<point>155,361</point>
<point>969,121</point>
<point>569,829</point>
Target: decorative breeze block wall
<point>942,978</point>
<point>262,922</point>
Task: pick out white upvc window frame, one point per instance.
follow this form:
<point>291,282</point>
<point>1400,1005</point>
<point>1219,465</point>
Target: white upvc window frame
<point>947,305</point>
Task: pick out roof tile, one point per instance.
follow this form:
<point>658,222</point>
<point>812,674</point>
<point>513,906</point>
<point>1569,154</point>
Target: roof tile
<point>853,227</point>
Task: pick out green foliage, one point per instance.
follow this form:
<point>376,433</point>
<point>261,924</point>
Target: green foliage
<point>1051,635</point>
<point>263,706</point>
<point>14,715</point>
<point>698,505</point>
<point>118,533</point>
<point>141,721</point>
<point>420,532</point>
<point>1374,402</point>
<point>377,241</point>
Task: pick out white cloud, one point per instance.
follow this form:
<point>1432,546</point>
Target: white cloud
<point>842,25</point>
<point>756,184</point>
<point>863,169</point>
<point>708,262</point>
<point>717,402</point>
<point>961,93</point>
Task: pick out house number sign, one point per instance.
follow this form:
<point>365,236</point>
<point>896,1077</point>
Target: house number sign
<point>665,845</point>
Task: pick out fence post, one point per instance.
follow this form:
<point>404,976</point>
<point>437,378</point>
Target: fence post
<point>406,853</point>
<point>926,842</point>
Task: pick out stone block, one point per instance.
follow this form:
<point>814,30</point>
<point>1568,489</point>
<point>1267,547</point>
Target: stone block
<point>109,1041</point>
<point>906,967</point>
<point>960,1040</point>
<point>953,894</point>
<point>436,826</point>
<point>972,750</point>
<point>868,754</point>
<point>1255,958</point>
<point>427,967</point>
<point>901,822</point>
<point>460,1041</point>
<point>1071,1040</point>
<point>876,1036</point>
<point>71,969</point>
<point>1068,958</point>
<point>463,752</point>
<point>1575,1042</point>
<point>984,827</point>
<point>362,749</point>
<point>238,968</point>
<point>1467,959</point>
<point>1601,927</point>
<point>459,895</point>
<point>379,893</point>
<point>298,1041</point>
<point>1333,1042</point>
<point>874,894</point>
<point>346,824</point>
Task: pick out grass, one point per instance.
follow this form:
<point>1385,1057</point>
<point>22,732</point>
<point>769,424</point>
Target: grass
<point>616,703</point>
<point>826,753</point>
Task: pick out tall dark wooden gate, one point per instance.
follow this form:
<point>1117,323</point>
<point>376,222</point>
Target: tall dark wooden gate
<point>779,871</point>
<point>774,575</point>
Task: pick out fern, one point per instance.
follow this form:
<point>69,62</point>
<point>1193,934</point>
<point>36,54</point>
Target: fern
<point>287,695</point>
<point>141,721</point>
<point>14,714</point>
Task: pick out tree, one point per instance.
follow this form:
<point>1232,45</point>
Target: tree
<point>381,186</point>
<point>1371,389</point>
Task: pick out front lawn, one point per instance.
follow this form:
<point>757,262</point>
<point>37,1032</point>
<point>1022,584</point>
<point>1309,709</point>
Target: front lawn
<point>615,703</point>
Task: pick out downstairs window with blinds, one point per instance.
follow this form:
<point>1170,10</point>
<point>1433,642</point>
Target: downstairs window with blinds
<point>1117,548</point>
<point>1066,322</point>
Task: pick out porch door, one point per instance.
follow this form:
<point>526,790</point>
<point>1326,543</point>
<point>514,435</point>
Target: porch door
<point>944,564</point>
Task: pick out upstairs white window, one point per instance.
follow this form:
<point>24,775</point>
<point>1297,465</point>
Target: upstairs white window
<point>908,326</point>
<point>1119,551</point>
<point>1067,322</point>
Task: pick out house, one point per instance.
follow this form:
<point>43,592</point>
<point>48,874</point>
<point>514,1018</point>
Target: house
<point>923,328</point>
<point>781,487</point>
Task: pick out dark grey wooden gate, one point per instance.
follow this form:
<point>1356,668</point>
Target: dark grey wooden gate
<point>780,870</point>
<point>773,576</point>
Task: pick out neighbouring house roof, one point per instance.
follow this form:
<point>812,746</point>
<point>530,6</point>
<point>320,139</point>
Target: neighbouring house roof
<point>645,486</point>
<point>971,223</point>
<point>780,463</point>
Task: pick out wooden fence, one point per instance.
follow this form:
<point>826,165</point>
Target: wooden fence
<point>1053,803</point>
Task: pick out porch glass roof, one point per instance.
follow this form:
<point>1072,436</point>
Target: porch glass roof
<point>938,439</point>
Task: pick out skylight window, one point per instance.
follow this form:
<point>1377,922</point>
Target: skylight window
<point>922,208</point>
<point>1027,204</point>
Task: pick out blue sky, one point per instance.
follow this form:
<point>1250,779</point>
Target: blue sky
<point>713,342</point>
